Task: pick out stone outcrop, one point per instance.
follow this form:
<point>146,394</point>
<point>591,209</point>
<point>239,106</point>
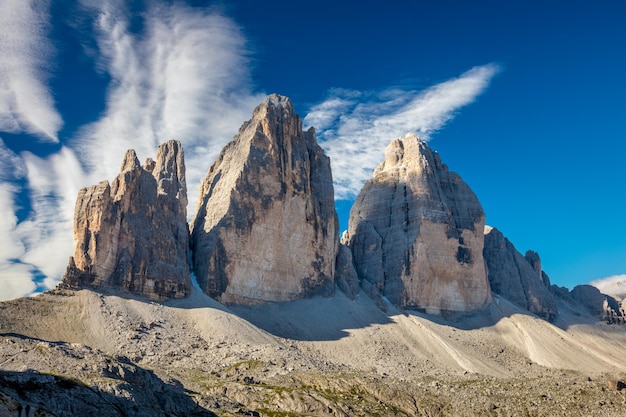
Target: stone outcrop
<point>346,276</point>
<point>265,227</point>
<point>534,260</point>
<point>63,379</point>
<point>517,278</point>
<point>600,305</point>
<point>416,233</point>
<point>133,234</point>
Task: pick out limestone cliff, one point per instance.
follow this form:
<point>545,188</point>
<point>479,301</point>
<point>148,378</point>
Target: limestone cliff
<point>416,233</point>
<point>518,278</point>
<point>133,233</point>
<point>265,228</point>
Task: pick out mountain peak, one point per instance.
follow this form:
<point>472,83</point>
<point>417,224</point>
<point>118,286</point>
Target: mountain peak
<point>415,233</point>
<point>133,235</point>
<point>266,228</point>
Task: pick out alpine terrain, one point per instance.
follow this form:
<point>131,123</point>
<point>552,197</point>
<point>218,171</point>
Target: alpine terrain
<point>258,308</point>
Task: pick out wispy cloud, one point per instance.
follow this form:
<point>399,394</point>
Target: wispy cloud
<point>26,104</point>
<point>47,234</point>
<point>183,76</point>
<point>15,277</point>
<point>614,285</point>
<point>355,127</point>
<point>181,73</point>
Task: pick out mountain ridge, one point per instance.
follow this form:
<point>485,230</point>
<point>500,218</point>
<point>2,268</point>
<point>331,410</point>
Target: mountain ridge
<point>526,347</point>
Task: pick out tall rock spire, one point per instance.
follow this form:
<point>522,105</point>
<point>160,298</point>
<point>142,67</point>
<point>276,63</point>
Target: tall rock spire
<point>416,233</point>
<point>265,228</point>
<point>133,233</point>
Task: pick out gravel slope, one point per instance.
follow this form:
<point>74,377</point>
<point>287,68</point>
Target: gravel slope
<point>333,356</point>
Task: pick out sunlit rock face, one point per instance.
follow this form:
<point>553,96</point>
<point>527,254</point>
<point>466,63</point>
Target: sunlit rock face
<point>518,278</point>
<point>416,233</point>
<point>265,228</point>
<point>133,234</point>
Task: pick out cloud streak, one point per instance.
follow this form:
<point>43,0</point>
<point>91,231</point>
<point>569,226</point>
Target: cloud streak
<point>185,75</point>
<point>15,276</point>
<point>614,285</point>
<point>355,127</point>
<point>182,73</point>
<point>26,104</point>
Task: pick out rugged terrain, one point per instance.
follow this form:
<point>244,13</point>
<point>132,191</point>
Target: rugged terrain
<point>320,356</point>
<point>436,314</point>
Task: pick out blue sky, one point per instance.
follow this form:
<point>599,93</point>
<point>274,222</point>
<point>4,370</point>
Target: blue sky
<point>524,99</point>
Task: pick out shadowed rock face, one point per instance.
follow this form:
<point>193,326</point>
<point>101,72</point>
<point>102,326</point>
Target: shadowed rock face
<point>133,234</point>
<point>346,277</point>
<point>416,233</point>
<point>518,278</point>
<point>265,227</point>
<point>600,305</point>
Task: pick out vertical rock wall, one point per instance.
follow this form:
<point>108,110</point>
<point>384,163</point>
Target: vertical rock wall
<point>133,234</point>
<point>416,233</point>
<point>517,278</point>
<point>265,228</point>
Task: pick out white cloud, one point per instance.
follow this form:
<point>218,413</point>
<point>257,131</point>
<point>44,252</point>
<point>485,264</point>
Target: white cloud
<point>15,280</point>
<point>15,277</point>
<point>355,127</point>
<point>48,233</point>
<point>26,104</point>
<point>42,242</point>
<point>185,77</point>
<point>614,285</point>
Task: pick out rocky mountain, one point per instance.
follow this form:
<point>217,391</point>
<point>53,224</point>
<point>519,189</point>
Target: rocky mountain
<point>518,278</point>
<point>133,234</point>
<point>416,233</point>
<point>265,228</point>
<point>281,341</point>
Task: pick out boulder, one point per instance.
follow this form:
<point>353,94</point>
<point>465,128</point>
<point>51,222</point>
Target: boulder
<point>133,234</point>
<point>265,227</point>
<point>515,278</point>
<point>416,233</point>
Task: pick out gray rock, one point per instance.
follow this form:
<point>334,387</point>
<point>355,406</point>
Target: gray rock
<point>133,234</point>
<point>62,379</point>
<point>515,278</point>
<point>534,260</point>
<point>265,227</point>
<point>346,276</point>
<point>600,305</point>
<point>415,233</point>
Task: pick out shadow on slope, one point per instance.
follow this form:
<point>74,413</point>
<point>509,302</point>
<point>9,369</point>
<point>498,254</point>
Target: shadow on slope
<point>314,319</point>
<point>67,380</point>
<point>40,393</point>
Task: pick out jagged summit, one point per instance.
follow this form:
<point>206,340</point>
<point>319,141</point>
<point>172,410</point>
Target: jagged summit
<point>276,100</point>
<point>265,228</point>
<point>133,233</point>
<point>518,278</point>
<point>415,232</point>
